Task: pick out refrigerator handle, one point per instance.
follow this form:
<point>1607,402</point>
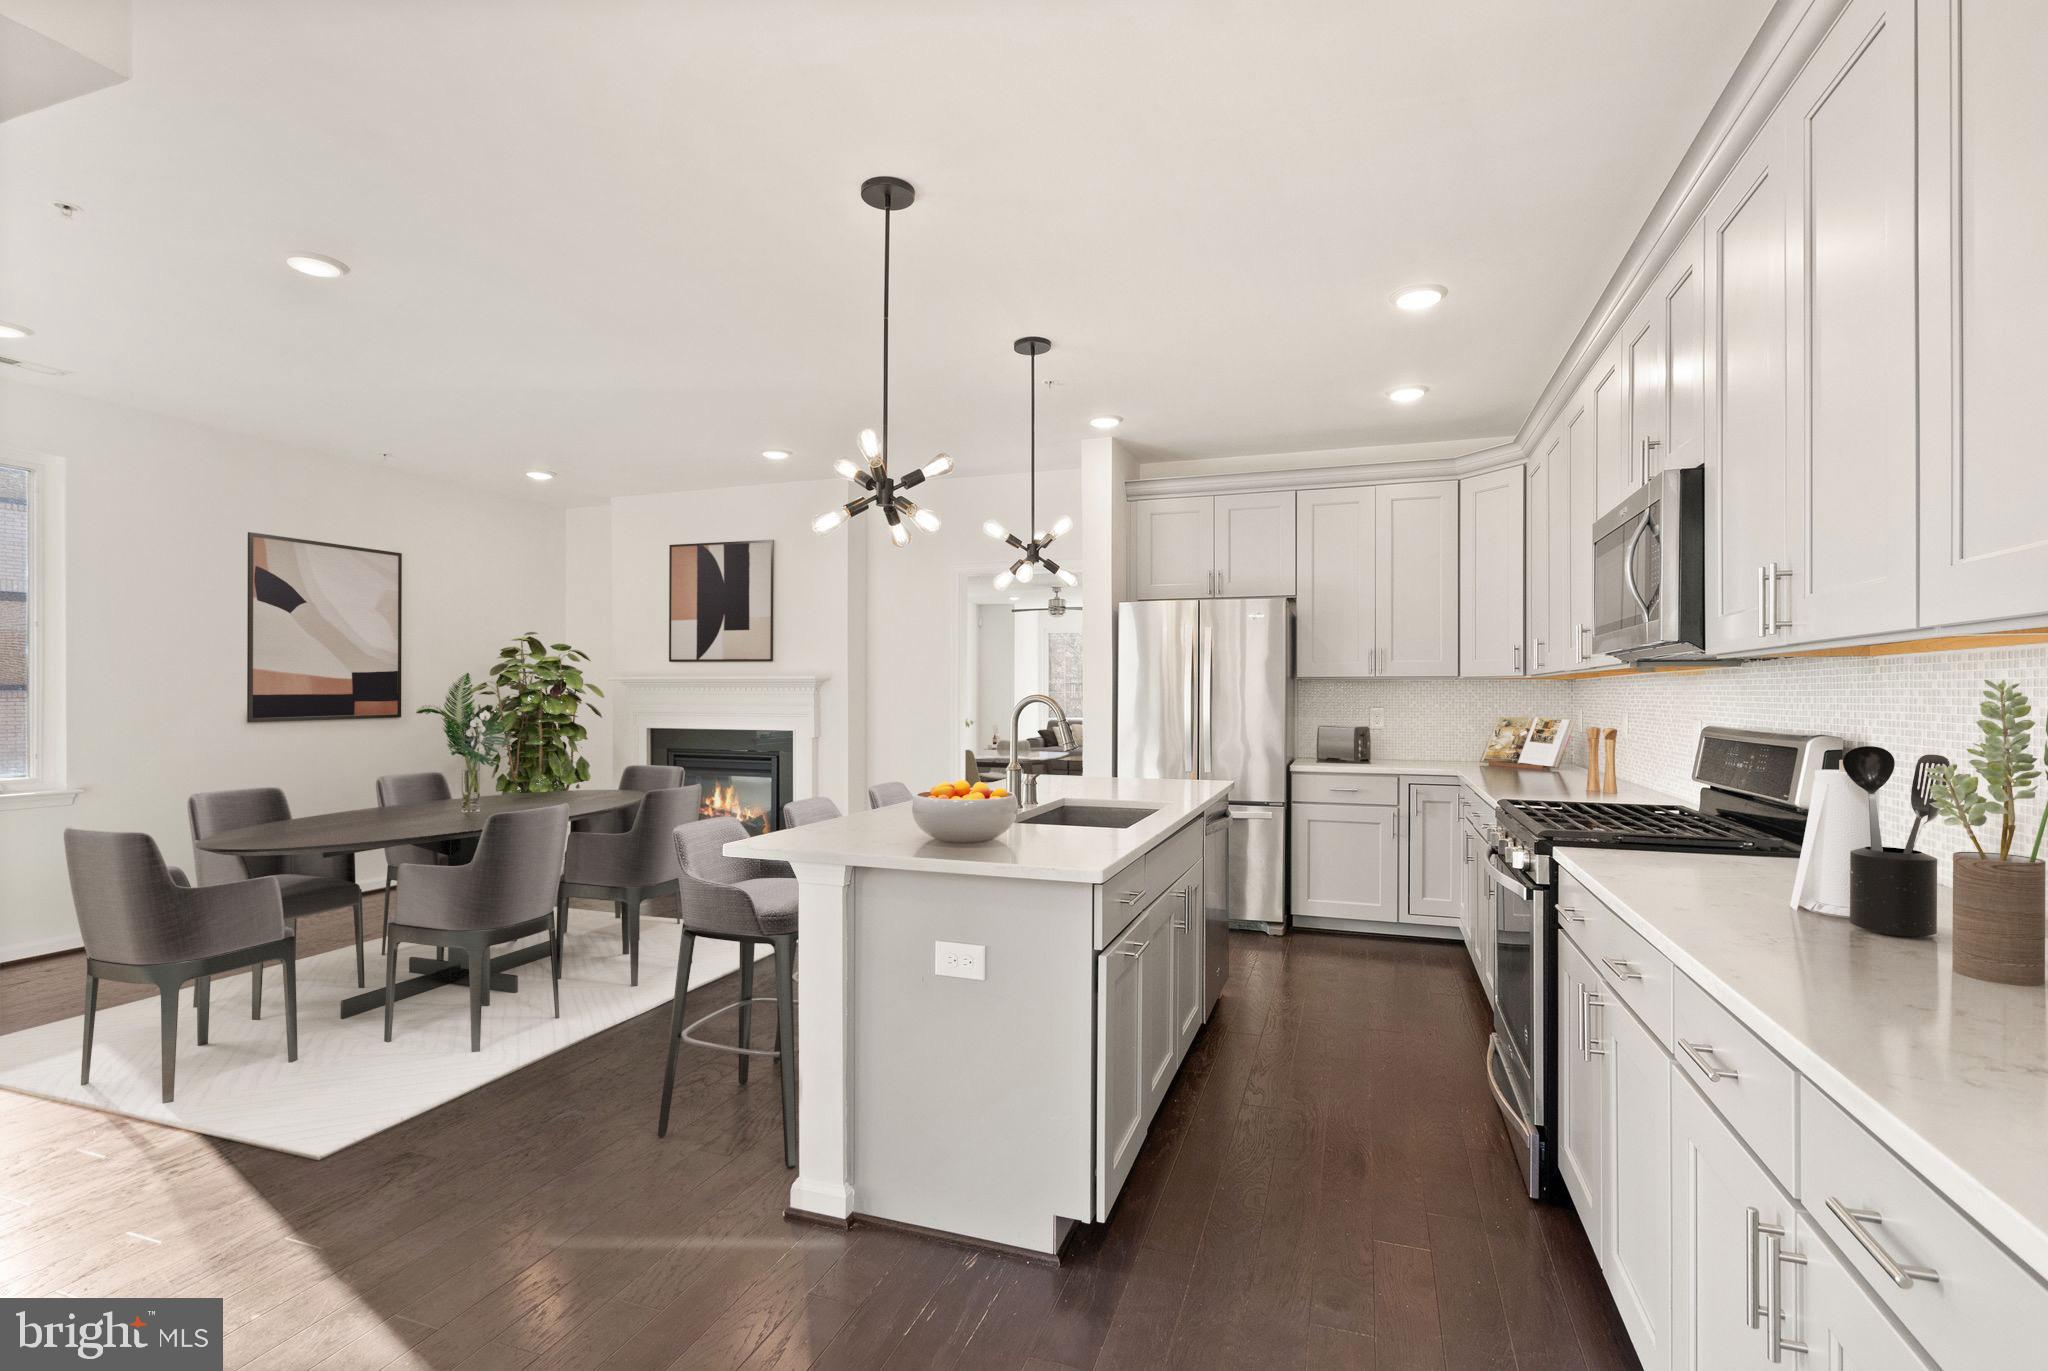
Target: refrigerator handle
<point>1204,671</point>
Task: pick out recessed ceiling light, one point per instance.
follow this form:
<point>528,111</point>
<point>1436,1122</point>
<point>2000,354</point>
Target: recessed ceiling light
<point>540,475</point>
<point>1407,395</point>
<point>775,454</point>
<point>1417,298</point>
<point>312,264</point>
<point>14,331</point>
<point>1106,421</point>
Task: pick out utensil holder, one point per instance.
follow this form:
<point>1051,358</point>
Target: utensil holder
<point>1892,891</point>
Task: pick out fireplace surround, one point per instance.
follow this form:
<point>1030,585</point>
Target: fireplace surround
<point>745,774</point>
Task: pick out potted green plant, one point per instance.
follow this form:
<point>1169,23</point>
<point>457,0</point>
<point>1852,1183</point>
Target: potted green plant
<point>537,689</point>
<point>1999,917</point>
<point>474,735</point>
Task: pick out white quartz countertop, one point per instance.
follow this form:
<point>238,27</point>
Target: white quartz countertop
<point>1951,1073</point>
<point>1496,783</point>
<point>890,838</point>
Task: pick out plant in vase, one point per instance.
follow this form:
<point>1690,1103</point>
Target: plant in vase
<point>474,736</point>
<point>537,689</point>
<point>1999,934</point>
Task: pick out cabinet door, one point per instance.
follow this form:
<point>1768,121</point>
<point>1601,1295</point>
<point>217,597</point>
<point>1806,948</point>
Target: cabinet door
<point>1346,861</point>
<point>1334,633</point>
<point>1582,1091</point>
<point>1479,891</point>
<point>1173,548</point>
<point>1837,1319</point>
<point>1644,340</point>
<point>1607,396</point>
<point>1255,544</point>
<point>1748,315</point>
<point>1722,1203</point>
<point>1582,438</point>
<point>1983,276</point>
<point>1158,1038</point>
<point>1436,876</point>
<point>1682,313</point>
<point>1853,499</point>
<point>1185,923</point>
<point>1415,575</point>
<point>1490,573</point>
<point>1119,1069</point>
<point>1536,500</point>
<point>1637,1202</point>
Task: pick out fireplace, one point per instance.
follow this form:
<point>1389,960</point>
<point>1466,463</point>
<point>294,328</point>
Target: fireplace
<point>745,774</point>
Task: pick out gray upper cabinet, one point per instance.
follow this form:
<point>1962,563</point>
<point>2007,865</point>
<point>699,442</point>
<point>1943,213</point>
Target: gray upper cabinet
<point>1490,534</point>
<point>1376,580</point>
<point>1983,146</point>
<point>1662,369</point>
<point>1200,546</point>
<point>1541,570</point>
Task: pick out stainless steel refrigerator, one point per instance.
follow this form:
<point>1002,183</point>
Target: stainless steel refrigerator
<point>1201,691</point>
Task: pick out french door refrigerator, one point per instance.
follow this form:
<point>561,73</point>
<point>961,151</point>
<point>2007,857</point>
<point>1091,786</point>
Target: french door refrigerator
<point>1201,692</point>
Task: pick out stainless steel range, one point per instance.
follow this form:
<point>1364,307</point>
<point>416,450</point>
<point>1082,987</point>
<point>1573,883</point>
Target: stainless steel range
<point>1753,802</point>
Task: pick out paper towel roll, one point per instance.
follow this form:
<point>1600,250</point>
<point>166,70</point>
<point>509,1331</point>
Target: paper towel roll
<point>1837,824</point>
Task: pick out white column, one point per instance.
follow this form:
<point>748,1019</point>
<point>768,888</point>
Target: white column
<point>824,1173</point>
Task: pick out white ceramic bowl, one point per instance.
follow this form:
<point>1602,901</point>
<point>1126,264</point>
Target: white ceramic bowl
<point>963,821</point>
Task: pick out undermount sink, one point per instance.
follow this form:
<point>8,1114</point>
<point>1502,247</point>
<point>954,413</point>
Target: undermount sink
<point>1069,815</point>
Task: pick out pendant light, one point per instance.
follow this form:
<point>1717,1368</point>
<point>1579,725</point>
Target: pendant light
<point>1033,551</point>
<point>879,489</point>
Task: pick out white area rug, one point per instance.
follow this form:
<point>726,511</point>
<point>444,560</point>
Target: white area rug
<point>348,1083</point>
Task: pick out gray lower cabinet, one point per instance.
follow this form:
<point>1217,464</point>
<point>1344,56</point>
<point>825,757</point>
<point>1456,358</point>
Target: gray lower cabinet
<point>1436,869</point>
<point>1185,924</point>
<point>1120,1068</point>
<point>1347,861</point>
<point>1158,1040</point>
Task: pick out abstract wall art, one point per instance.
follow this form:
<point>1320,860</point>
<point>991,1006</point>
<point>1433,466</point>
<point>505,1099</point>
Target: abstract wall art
<point>721,602</point>
<point>323,630</point>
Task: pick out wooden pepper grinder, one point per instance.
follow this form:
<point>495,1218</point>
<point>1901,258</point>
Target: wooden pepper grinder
<point>1592,761</point>
<point>1612,735</point>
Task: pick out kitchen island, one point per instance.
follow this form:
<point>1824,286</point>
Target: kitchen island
<point>987,1029</point>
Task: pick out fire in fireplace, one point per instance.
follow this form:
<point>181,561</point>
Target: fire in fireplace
<point>744,774</point>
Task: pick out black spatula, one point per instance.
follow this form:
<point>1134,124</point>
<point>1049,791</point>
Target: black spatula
<point>1925,772</point>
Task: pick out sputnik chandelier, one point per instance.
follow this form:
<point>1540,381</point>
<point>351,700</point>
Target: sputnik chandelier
<point>879,489</point>
<point>1034,550</point>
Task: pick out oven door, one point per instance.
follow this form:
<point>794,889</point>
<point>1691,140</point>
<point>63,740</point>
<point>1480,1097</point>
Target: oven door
<point>1516,1057</point>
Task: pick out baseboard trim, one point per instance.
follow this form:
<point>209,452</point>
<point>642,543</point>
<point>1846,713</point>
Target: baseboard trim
<point>39,948</point>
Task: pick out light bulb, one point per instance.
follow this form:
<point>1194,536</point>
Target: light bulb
<point>938,466</point>
<point>870,444</point>
<point>1004,580</point>
<point>845,467</point>
<point>899,533</point>
<point>1069,577</point>
<point>995,530</point>
<point>1063,527</point>
<point>829,520</point>
<point>1024,573</point>
<point>926,520</point>
<point>1040,538</point>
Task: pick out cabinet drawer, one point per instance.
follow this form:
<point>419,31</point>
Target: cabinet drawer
<point>1637,972</point>
<point>1337,788</point>
<point>1979,1307</point>
<point>1169,861</point>
<point>1119,900</point>
<point>1752,1088</point>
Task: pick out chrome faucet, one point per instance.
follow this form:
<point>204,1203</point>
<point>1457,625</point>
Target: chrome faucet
<point>1023,788</point>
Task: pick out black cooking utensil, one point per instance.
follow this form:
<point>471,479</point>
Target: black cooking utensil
<point>1870,768</point>
<point>1926,772</point>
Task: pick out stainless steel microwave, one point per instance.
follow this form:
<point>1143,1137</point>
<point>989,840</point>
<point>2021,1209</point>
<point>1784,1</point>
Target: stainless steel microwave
<point>1650,571</point>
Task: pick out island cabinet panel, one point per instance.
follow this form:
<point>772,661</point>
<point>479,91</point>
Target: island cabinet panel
<point>1185,925</point>
<point>1120,1071</point>
<point>1159,1041</point>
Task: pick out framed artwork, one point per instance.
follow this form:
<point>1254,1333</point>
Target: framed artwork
<point>721,602</point>
<point>323,630</point>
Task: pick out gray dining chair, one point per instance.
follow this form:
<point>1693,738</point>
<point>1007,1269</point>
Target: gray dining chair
<point>747,901</point>
<point>629,868</point>
<point>312,884</point>
<point>888,793</point>
<point>815,810</point>
<point>505,892</point>
<point>413,788</point>
<point>142,922</point>
<point>642,777</point>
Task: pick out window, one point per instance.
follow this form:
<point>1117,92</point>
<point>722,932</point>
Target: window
<point>17,704</point>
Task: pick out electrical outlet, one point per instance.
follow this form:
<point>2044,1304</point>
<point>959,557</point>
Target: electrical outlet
<point>967,961</point>
<point>1377,719</point>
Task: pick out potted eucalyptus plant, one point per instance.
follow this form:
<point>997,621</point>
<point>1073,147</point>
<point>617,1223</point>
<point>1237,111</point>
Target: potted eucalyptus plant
<point>537,690</point>
<point>474,735</point>
<point>1999,914</point>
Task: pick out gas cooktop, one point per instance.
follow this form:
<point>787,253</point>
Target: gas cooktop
<point>1576,823</point>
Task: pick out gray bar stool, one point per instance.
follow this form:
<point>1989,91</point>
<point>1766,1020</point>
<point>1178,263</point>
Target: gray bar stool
<point>885,793</point>
<point>815,810</point>
<point>746,901</point>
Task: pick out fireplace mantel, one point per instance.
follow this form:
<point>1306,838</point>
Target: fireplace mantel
<point>768,703</point>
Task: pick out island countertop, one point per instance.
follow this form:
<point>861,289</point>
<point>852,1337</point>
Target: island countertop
<point>890,838</point>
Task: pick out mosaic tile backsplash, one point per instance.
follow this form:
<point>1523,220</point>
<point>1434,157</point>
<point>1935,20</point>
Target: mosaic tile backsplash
<point>1909,704</point>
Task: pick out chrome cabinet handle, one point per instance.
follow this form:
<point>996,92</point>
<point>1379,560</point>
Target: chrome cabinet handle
<point>1699,1053</point>
<point>1343,790</point>
<point>1539,654</point>
<point>1775,1260</point>
<point>1594,1047</point>
<point>1180,924</point>
<point>1133,949</point>
<point>1622,971</point>
<point>1518,656</point>
<point>1763,595</point>
<point>1778,573</point>
<point>1132,898</point>
<point>1752,1236</point>
<point>1567,912</point>
<point>1859,1222</point>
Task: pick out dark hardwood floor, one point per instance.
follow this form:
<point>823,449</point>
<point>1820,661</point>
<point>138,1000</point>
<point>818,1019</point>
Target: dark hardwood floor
<point>1326,1186</point>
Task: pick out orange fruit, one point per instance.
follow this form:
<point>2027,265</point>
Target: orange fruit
<point>999,794</point>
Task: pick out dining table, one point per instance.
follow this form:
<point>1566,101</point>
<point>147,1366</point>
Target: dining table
<point>424,825</point>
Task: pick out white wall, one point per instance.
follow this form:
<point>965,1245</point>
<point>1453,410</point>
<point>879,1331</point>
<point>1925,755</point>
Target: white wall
<point>157,514</point>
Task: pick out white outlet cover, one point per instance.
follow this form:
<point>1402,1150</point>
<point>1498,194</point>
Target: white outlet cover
<point>965,961</point>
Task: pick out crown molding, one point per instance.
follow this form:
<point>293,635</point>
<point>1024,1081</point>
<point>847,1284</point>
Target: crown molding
<point>1485,459</point>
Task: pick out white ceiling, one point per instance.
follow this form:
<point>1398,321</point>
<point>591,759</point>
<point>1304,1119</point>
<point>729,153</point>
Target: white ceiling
<point>624,240</point>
